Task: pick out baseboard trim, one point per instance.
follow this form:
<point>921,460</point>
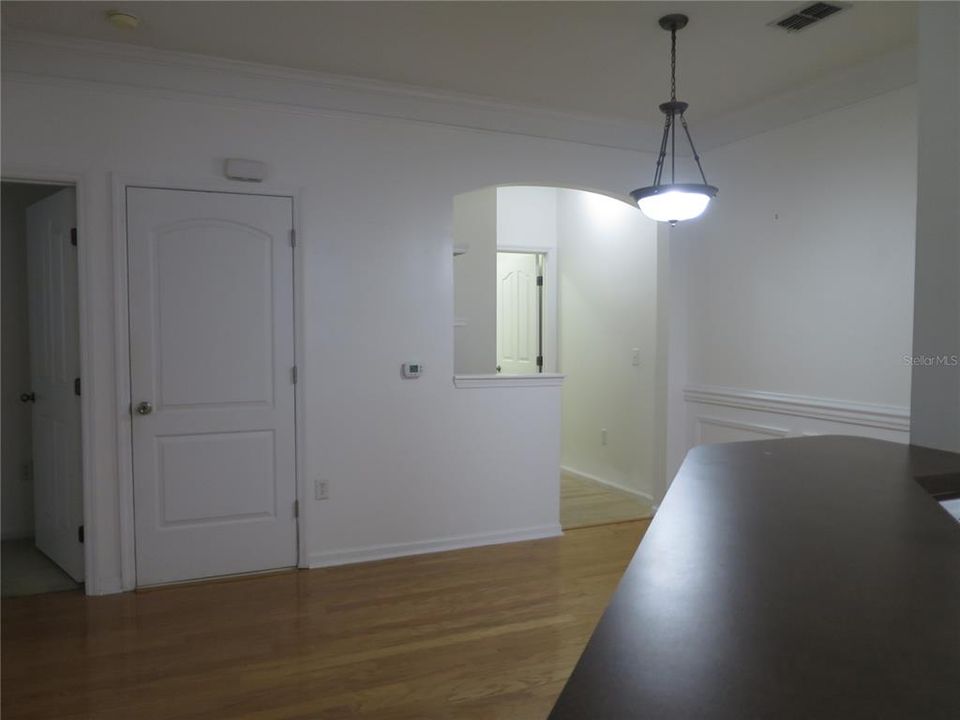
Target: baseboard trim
<point>351,556</point>
<point>888,417</point>
<point>646,497</point>
<point>110,585</point>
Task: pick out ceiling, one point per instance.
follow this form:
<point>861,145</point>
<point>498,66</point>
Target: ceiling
<point>605,59</point>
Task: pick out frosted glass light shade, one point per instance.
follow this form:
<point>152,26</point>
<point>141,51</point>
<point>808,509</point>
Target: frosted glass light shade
<point>673,203</point>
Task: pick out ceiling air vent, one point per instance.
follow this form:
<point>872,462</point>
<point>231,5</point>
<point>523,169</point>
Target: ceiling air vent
<point>807,15</point>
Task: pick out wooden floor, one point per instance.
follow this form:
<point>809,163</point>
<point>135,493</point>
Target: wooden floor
<point>484,633</point>
<point>584,503</point>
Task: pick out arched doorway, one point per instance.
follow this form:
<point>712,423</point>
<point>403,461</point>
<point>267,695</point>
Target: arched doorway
<point>559,280</point>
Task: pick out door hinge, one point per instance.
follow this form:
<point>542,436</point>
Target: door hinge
<point>76,386</point>
<point>539,361</point>
<point>296,508</point>
<point>539,280</point>
<point>294,374</point>
<point>293,237</point>
<point>73,236</point>
<point>80,533</point>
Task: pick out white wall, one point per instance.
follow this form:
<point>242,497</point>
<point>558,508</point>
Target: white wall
<point>799,281</point>
<point>417,465</point>
<point>608,307</point>
<point>527,217</point>
<point>412,465</point>
<point>935,401</point>
<point>474,273</point>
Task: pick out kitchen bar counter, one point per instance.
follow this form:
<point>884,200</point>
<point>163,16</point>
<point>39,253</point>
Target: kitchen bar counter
<point>803,578</point>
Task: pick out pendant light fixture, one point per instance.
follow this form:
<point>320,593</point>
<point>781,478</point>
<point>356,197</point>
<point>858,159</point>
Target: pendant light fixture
<point>672,202</point>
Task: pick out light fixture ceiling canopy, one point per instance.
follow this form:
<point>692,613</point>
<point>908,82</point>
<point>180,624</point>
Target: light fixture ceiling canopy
<point>672,202</point>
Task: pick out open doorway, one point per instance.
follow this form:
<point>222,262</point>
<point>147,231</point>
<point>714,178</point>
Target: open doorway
<point>42,495</point>
<point>556,280</point>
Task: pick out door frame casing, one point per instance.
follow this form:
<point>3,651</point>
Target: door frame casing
<point>551,324</point>
<point>124,435</point>
<point>89,427</point>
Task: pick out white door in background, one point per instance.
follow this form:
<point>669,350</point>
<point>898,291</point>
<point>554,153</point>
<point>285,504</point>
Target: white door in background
<point>211,359</point>
<point>54,377</point>
<point>518,314</point>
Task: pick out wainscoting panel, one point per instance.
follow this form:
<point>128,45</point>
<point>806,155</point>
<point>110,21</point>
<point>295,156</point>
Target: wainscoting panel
<point>722,414</point>
<point>719,430</point>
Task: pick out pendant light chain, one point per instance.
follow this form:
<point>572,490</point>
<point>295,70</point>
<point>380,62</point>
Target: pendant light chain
<point>673,65</point>
<point>673,98</point>
<point>670,126</point>
<point>672,201</point>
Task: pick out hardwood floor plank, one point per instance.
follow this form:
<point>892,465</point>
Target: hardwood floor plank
<point>585,503</point>
<point>479,633</point>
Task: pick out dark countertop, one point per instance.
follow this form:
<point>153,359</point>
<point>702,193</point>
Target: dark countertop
<point>801,578</point>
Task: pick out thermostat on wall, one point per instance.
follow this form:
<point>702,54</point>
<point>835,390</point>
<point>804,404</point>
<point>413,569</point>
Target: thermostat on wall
<point>412,370</point>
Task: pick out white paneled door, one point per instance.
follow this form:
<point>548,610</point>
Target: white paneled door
<point>518,313</point>
<point>54,379</point>
<point>212,383</point>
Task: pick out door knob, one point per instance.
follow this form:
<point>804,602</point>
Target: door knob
<point>28,397</point>
<point>144,408</point>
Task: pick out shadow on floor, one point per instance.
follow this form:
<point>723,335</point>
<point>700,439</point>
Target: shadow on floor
<point>27,571</point>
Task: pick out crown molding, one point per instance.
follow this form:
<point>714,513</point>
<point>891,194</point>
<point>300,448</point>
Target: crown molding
<point>29,56</point>
<point>854,84</point>
<point>39,57</point>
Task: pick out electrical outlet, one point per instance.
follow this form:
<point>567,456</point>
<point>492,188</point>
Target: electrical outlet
<point>26,473</point>
<point>603,436</point>
<point>322,488</point>
<point>636,357</point>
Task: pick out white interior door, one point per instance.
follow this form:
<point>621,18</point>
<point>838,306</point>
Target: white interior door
<point>518,314</point>
<point>211,360</point>
<point>54,377</point>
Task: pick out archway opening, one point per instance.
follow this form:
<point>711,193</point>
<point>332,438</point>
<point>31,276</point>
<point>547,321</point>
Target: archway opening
<point>558,280</point>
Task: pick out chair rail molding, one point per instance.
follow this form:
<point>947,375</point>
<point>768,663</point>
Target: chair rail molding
<point>867,415</point>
